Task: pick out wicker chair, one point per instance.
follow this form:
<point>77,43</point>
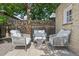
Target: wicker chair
<point>39,35</point>
<point>19,39</point>
<point>60,39</point>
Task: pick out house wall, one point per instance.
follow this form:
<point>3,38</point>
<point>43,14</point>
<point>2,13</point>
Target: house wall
<point>60,17</point>
<point>74,40</point>
<point>75,32</point>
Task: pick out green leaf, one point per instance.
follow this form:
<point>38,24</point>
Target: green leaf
<point>3,19</point>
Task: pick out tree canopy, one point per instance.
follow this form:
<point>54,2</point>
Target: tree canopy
<point>10,8</point>
<point>43,11</point>
<point>3,20</point>
<point>38,11</point>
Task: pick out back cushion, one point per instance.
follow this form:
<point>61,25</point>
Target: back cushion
<point>15,33</point>
<point>41,31</point>
<point>63,32</point>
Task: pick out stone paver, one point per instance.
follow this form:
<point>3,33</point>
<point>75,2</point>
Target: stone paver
<point>32,51</point>
<point>7,49</point>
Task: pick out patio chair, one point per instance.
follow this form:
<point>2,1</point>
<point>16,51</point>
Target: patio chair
<point>39,35</point>
<point>60,39</point>
<point>19,39</point>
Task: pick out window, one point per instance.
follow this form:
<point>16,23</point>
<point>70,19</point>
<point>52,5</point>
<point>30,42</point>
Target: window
<point>68,15</point>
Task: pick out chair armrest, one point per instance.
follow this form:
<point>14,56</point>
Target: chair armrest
<point>63,37</point>
<point>53,35</point>
<point>17,38</point>
<point>45,34</point>
<point>33,35</point>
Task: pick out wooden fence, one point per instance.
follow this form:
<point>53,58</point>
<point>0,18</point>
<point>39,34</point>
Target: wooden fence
<point>28,26</point>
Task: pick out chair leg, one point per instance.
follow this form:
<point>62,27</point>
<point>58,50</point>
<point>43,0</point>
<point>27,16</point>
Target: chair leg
<point>14,46</point>
<point>53,50</point>
<point>25,47</point>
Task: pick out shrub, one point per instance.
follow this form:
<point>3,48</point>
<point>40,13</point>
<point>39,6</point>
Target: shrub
<point>3,19</point>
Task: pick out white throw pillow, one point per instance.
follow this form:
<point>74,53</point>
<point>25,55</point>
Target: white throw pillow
<point>15,33</point>
<point>63,33</point>
<point>41,31</point>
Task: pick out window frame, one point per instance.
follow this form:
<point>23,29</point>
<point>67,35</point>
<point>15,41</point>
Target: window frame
<point>65,20</point>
